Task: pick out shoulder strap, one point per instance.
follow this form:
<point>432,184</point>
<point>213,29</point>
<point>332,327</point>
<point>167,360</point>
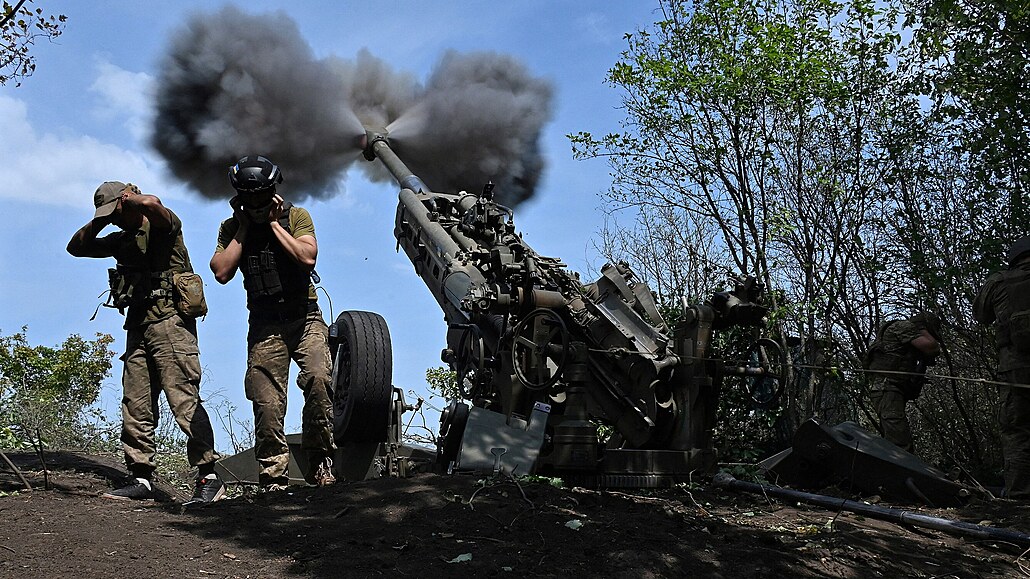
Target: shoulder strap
<point>284,219</point>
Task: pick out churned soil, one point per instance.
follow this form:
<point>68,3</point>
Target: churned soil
<point>454,526</point>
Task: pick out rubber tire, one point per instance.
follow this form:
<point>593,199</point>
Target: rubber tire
<point>363,378</point>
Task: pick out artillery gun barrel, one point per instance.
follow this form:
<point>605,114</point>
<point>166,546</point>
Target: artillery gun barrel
<point>429,246</point>
<point>378,147</point>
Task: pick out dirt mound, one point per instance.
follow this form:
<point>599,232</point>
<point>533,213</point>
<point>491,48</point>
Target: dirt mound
<point>445,526</point>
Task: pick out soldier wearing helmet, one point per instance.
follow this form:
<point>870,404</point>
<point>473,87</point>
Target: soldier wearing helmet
<point>272,243</point>
<point>897,360</point>
<point>1004,302</point>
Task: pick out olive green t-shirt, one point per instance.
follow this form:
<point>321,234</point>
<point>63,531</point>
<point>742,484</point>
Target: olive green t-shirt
<point>153,251</point>
<point>300,224</point>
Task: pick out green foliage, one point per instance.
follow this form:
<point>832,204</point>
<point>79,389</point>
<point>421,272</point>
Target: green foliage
<point>51,390</point>
<point>553,481</point>
<point>443,382</point>
<point>604,431</point>
<point>861,170</point>
<point>743,433</point>
<point>20,28</point>
<point>972,58</point>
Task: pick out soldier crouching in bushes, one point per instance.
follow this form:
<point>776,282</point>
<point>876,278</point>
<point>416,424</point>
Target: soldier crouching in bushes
<point>272,243</point>
<point>155,287</point>
<point>897,361</point>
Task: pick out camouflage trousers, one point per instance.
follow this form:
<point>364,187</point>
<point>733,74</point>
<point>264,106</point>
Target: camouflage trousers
<point>1015,434</point>
<point>889,404</point>
<point>163,357</point>
<point>271,346</point>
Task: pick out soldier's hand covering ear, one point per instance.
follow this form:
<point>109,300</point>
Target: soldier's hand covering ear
<point>242,218</point>
<point>277,208</point>
<point>129,192</point>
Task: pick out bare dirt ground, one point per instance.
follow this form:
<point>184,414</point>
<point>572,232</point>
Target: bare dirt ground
<point>447,526</point>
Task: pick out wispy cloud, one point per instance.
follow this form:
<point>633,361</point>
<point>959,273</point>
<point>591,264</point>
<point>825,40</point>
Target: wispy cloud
<point>597,27</point>
<point>125,97</point>
<point>61,168</point>
<point>609,26</point>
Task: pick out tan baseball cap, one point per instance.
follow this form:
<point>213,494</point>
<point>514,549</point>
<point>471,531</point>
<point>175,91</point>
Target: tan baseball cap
<point>106,197</point>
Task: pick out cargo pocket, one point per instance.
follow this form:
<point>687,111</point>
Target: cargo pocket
<point>187,354</point>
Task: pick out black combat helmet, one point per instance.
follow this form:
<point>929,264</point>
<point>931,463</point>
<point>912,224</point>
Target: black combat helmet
<point>254,173</point>
<point>1019,249</point>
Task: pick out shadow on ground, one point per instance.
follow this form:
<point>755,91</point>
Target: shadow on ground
<point>445,526</point>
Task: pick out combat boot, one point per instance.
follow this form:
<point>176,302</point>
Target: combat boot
<point>140,489</point>
<point>208,490</point>
<point>322,474</point>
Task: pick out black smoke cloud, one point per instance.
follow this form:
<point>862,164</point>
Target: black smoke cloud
<point>234,84</point>
<point>479,120</point>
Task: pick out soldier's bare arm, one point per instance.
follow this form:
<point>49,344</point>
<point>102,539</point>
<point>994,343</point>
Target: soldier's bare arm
<point>150,206</point>
<point>303,250</point>
<point>84,243</point>
<point>226,259</point>
<point>926,344</point>
<point>224,263</point>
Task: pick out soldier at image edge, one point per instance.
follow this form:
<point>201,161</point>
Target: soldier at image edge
<point>154,285</point>
<point>897,360</point>
<point>272,243</point>
<point>1004,301</point>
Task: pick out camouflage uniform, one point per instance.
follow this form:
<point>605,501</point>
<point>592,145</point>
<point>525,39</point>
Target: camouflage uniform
<point>888,393</point>
<point>284,324</point>
<point>1001,300</point>
<point>161,353</point>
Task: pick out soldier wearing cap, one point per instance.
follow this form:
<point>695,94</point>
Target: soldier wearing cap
<point>1004,302</point>
<point>897,361</point>
<point>161,353</point>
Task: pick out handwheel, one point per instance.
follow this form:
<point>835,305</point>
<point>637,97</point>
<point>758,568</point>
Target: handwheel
<point>540,337</point>
<point>765,390</point>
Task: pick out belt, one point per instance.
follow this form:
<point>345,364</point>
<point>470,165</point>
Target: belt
<point>281,313</point>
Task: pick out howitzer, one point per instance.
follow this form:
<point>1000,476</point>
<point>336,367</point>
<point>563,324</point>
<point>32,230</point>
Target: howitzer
<point>543,359</point>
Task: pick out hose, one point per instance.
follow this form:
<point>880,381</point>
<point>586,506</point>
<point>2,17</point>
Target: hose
<point>727,481</point>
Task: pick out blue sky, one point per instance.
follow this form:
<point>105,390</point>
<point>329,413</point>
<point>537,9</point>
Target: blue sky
<point>84,118</point>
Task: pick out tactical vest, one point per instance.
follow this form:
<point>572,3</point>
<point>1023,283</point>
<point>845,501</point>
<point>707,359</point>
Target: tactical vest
<point>1014,315</point>
<point>142,281</point>
<point>903,358</point>
<point>132,286</point>
<point>273,280</point>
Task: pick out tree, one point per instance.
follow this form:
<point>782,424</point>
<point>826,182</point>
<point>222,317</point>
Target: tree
<point>972,59</point>
<point>47,392</point>
<point>959,194</point>
<point>811,144</point>
<point>443,383</point>
<point>20,28</point>
<point>751,135</point>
